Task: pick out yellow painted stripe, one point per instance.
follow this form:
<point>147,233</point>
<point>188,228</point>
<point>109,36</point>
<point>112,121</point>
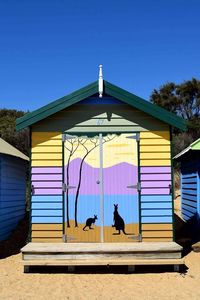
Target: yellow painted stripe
<point>46,135</point>
<point>154,155</point>
<point>47,240</point>
<point>155,134</point>
<point>152,163</point>
<point>46,156</point>
<point>153,234</point>
<point>47,149</point>
<point>156,227</point>
<point>46,234</point>
<point>153,149</point>
<point>46,226</point>
<point>154,142</point>
<point>46,163</point>
<point>159,239</point>
<point>47,143</point>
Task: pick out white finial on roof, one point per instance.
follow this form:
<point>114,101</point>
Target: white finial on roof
<point>100,81</point>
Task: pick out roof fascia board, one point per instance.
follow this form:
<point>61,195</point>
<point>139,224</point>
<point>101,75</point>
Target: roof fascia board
<point>141,104</point>
<point>56,106</point>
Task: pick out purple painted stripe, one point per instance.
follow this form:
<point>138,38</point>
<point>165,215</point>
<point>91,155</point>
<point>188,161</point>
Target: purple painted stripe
<point>156,184</point>
<point>154,170</point>
<point>48,192</point>
<point>47,177</point>
<point>154,177</point>
<point>159,191</point>
<point>46,170</point>
<point>47,184</point>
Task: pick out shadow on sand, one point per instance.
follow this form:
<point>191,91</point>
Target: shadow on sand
<point>186,233</point>
<point>16,241</point>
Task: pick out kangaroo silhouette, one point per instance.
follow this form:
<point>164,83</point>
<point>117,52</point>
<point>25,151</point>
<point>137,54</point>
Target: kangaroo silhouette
<point>118,221</point>
<point>89,222</point>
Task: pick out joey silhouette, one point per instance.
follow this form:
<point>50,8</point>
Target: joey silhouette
<point>89,222</point>
<point>118,221</point>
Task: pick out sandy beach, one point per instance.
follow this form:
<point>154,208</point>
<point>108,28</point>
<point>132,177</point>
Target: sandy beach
<point>14,284</point>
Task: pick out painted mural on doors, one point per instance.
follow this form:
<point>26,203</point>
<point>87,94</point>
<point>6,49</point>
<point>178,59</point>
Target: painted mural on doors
<point>101,199</point>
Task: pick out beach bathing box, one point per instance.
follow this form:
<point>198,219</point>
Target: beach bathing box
<point>101,168</point>
<point>190,183</point>
<point>13,165</point>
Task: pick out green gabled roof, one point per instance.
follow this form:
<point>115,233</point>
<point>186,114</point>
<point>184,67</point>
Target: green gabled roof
<point>109,89</point>
<point>194,146</point>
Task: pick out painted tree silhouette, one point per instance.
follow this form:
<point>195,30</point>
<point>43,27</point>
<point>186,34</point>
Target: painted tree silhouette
<point>95,143</point>
<point>71,144</point>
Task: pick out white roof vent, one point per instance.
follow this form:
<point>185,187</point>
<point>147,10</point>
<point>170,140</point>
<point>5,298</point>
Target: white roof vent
<point>100,81</point>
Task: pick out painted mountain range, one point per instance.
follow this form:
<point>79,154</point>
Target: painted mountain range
<point>115,178</point>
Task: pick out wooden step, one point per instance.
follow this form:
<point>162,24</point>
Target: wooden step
<point>101,251</point>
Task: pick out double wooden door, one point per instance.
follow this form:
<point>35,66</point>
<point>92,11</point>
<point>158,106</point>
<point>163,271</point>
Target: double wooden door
<point>100,180</point>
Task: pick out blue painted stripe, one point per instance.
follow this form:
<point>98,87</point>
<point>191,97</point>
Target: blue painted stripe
<point>189,208</point>
<point>191,203</point>
<point>97,100</point>
<point>46,198</point>
<point>47,220</point>
<point>47,205</point>
<point>156,212</point>
<point>187,213</point>
<point>157,219</point>
<point>189,175</point>
<point>189,197</point>
<point>47,213</point>
<point>18,214</point>
<point>156,198</point>
<point>13,186</point>
<point>190,186</point>
<point>10,210</point>
<point>13,197</point>
<point>185,217</point>
<point>189,192</point>
<point>189,180</point>
<point>156,205</point>
<point>6,204</point>
<point>12,192</point>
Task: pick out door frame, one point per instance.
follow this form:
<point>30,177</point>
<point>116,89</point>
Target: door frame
<point>100,134</point>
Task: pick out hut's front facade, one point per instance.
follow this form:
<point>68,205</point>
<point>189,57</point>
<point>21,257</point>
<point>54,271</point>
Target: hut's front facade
<point>101,168</point>
<point>13,166</point>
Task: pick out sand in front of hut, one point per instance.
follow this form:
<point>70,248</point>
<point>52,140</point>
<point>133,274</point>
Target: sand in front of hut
<point>99,284</point>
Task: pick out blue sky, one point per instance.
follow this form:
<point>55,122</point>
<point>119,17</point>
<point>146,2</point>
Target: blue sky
<point>51,48</point>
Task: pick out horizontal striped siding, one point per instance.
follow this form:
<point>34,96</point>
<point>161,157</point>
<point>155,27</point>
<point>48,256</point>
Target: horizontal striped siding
<point>159,152</point>
<point>46,179</point>
<point>189,194</point>
<point>12,193</point>
<point>155,177</point>
<point>46,218</point>
<point>46,149</point>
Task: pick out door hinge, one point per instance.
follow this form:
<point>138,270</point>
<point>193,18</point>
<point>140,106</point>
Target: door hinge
<point>134,137</point>
<point>64,187</point>
<point>32,189</point>
<point>135,186</point>
<point>64,238</point>
<point>67,187</point>
<point>63,137</point>
<point>66,137</point>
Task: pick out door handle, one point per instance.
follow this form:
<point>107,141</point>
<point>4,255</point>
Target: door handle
<point>98,182</point>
